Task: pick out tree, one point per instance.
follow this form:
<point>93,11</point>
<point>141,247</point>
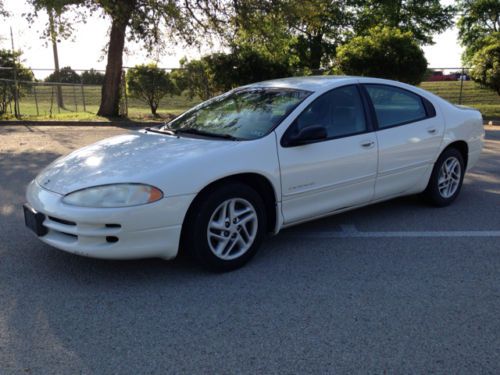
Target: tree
<point>59,26</point>
<point>92,77</point>
<point>486,65</point>
<point>3,12</point>
<point>386,53</point>
<point>151,84</point>
<point>422,17</point>
<point>151,22</point>
<point>195,76</point>
<point>65,75</point>
<point>8,89</point>
<point>309,31</point>
<point>479,19</point>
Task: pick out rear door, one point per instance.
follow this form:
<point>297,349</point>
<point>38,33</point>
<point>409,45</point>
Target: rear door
<point>409,134</point>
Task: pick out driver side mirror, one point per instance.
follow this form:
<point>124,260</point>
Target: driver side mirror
<point>307,135</point>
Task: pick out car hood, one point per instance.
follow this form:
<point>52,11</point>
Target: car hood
<point>135,157</point>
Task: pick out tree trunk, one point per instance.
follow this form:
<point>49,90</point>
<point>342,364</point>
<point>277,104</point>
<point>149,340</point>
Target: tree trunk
<point>316,52</point>
<point>153,107</point>
<point>110,94</point>
<point>53,39</point>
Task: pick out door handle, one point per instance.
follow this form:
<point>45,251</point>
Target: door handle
<point>431,131</point>
<point>367,144</point>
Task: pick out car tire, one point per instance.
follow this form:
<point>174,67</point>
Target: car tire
<point>225,227</point>
<point>446,179</point>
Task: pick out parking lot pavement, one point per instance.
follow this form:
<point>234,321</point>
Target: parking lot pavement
<point>368,291</point>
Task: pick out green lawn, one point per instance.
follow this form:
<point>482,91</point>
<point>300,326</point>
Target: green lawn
<point>473,95</point>
<point>487,101</point>
<point>41,104</point>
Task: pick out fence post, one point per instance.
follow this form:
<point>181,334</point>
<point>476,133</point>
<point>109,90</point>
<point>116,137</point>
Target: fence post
<point>36,100</point>
<point>16,87</point>
<point>124,90</point>
<point>83,98</point>
<point>462,77</point>
<point>74,99</point>
<point>58,87</point>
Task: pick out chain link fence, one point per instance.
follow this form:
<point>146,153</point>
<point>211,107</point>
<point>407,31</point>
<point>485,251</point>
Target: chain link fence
<point>38,99</point>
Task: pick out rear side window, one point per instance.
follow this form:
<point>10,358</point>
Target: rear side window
<point>394,106</point>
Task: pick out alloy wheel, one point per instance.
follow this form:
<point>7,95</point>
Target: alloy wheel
<point>232,228</point>
<point>449,177</point>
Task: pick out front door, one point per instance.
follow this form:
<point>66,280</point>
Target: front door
<point>334,173</point>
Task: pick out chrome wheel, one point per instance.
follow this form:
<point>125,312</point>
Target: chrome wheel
<point>232,228</point>
<point>449,177</point>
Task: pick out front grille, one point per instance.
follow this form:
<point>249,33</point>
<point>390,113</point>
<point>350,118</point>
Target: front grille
<point>95,234</point>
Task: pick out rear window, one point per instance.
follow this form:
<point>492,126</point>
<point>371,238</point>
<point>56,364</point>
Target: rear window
<point>395,106</point>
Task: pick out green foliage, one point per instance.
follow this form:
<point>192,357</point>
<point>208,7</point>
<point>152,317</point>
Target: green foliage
<point>66,75</point>
<point>263,29</point>
<point>3,12</point>
<point>151,84</point>
<point>386,53</point>
<point>307,33</point>
<point>486,66</point>
<point>92,77</point>
<point>303,33</point>
<point>7,84</point>
<point>479,21</point>
<point>219,72</point>
<point>422,17</point>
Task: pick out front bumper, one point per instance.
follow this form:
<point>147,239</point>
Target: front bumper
<point>150,230</point>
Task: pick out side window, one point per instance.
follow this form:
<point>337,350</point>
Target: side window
<point>340,111</point>
<point>395,106</point>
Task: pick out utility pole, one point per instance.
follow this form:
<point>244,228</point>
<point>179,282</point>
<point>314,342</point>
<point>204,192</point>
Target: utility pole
<point>53,39</point>
<point>16,87</point>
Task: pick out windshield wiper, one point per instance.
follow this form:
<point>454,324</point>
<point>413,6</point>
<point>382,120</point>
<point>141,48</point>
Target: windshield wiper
<point>206,134</point>
<point>160,130</point>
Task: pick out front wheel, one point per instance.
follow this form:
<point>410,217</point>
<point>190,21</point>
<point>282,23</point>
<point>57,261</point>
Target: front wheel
<point>446,178</point>
<point>226,227</point>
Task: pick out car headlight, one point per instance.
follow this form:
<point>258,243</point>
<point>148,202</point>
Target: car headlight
<point>116,195</point>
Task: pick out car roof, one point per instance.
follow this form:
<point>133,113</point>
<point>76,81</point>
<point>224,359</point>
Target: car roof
<point>319,84</point>
<point>310,83</point>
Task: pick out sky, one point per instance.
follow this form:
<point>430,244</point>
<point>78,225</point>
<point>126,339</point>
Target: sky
<point>85,49</point>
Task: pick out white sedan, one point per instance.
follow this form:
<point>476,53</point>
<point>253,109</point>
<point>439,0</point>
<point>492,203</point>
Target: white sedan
<point>257,159</point>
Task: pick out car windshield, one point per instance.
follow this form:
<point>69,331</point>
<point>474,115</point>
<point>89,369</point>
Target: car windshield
<point>241,114</point>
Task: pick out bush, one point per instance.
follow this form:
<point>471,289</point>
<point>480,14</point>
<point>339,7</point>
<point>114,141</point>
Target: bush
<point>150,83</point>
<point>385,53</point>
<point>486,66</point>
<point>220,72</point>
<point>66,75</point>
<point>92,77</point>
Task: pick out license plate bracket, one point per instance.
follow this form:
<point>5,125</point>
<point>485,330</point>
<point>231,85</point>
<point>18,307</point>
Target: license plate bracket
<point>34,220</point>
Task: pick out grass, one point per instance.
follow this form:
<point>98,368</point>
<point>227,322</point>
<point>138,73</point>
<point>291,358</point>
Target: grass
<point>82,105</point>
<point>473,95</point>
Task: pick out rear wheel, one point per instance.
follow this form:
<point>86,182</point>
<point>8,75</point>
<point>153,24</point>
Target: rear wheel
<point>226,227</point>
<point>446,178</point>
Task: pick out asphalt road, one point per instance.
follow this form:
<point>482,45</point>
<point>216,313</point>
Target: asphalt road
<point>318,298</point>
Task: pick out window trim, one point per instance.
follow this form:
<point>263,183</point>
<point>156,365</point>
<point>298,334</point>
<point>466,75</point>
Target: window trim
<point>370,125</point>
<point>426,104</point>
